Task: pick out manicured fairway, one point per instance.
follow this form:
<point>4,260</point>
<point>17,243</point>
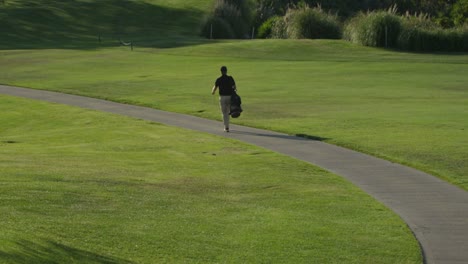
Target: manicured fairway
<point>81,186</point>
<point>409,108</point>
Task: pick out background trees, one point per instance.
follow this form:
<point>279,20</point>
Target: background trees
<point>445,12</point>
<point>417,25</point>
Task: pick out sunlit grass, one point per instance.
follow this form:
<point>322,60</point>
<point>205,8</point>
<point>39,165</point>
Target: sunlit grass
<point>91,187</point>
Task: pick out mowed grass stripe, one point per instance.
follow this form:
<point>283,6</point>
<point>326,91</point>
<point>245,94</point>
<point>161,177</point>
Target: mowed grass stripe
<point>92,187</point>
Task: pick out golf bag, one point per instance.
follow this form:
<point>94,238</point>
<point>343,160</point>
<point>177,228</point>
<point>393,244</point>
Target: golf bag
<point>236,108</point>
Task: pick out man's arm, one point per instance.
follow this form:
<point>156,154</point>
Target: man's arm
<point>214,89</point>
<point>234,88</point>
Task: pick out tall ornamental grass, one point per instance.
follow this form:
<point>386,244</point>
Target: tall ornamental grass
<point>421,35</point>
<point>311,23</point>
<point>278,28</point>
<point>375,29</point>
<point>410,32</point>
<point>301,23</point>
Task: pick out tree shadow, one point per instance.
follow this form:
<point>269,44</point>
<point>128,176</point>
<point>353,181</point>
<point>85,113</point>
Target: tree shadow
<point>52,252</point>
<point>79,24</point>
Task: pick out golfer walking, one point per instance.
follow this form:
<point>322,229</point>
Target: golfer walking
<point>227,86</point>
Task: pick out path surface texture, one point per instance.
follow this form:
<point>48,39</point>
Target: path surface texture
<point>436,211</point>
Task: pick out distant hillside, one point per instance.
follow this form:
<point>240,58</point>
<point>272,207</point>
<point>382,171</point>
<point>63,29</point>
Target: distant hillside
<point>80,23</point>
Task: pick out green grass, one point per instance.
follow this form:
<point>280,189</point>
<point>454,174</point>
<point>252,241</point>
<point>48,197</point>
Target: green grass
<point>88,187</point>
<point>409,108</point>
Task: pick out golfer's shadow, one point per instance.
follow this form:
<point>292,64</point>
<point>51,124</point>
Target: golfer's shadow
<point>290,137</point>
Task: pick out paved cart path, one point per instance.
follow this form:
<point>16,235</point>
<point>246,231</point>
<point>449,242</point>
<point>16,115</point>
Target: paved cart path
<point>436,211</point>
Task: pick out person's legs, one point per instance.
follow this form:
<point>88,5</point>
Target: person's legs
<point>225,103</point>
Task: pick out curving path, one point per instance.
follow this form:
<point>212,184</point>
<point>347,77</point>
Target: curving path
<point>436,211</point>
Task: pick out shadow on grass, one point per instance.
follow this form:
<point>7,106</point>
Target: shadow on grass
<point>42,24</point>
<point>53,252</point>
<point>311,137</point>
<point>292,137</point>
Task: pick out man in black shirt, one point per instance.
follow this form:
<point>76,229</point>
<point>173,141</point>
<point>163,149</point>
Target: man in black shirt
<point>227,86</point>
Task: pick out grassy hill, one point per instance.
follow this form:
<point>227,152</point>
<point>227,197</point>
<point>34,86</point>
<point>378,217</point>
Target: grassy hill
<point>79,23</point>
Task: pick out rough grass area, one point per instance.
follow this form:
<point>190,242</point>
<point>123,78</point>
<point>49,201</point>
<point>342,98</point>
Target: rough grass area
<point>88,187</point>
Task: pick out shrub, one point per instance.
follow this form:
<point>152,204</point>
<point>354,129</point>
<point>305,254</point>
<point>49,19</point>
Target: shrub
<point>376,29</point>
<point>278,29</point>
<point>265,30</point>
<point>312,23</point>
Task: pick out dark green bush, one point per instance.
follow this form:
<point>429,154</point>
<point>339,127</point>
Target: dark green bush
<point>375,29</point>
<point>312,23</point>
<point>460,12</point>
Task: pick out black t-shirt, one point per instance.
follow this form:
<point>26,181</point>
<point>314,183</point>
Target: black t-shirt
<point>225,84</point>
